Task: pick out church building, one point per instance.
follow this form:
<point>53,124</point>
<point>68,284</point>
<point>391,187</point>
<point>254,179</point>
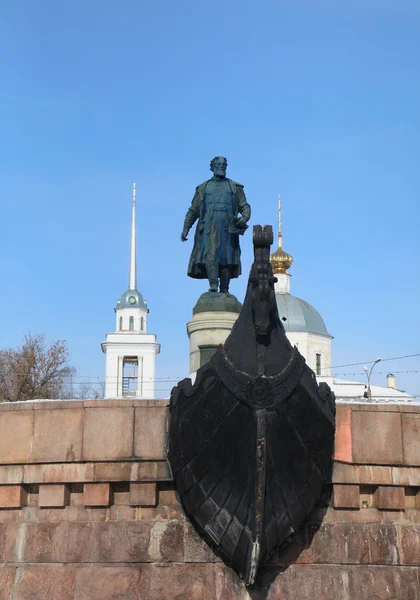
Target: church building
<point>130,351</point>
<point>306,330</point>
<point>304,326</point>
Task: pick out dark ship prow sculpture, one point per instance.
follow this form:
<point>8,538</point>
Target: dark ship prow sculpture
<point>251,441</point>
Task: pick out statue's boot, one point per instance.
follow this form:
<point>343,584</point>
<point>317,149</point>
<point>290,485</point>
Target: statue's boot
<point>224,280</point>
<point>212,274</point>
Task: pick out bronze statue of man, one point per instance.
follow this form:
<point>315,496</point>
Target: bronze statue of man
<point>216,204</point>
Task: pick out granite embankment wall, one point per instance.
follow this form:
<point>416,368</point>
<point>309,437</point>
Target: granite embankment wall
<point>88,511</point>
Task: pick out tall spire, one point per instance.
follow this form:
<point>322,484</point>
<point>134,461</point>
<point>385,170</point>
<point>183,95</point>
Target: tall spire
<point>280,260</point>
<point>132,279</point>
<point>280,235</point>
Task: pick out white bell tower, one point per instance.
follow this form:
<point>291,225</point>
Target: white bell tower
<point>131,351</point>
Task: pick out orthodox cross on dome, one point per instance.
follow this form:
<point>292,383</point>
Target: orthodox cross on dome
<point>132,278</point>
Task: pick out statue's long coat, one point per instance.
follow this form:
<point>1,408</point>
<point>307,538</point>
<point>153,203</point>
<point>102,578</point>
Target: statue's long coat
<point>196,211</point>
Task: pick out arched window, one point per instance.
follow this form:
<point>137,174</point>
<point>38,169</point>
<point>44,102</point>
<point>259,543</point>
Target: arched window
<point>131,326</point>
<point>120,323</point>
<point>141,324</point>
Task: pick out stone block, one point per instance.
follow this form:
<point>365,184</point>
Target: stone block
<point>11,474</point>
<point>121,542</point>
<point>143,494</point>
<point>170,539</point>
<point>310,582</point>
<point>84,514</point>
<point>58,435</point>
<point>390,498</point>
<point>363,474</point>
<point>16,428</point>
<point>407,476</point>
<point>44,583</point>
<point>55,404</point>
<point>163,471</point>
<point>79,542</point>
<point>150,433</point>
<point>109,583</point>
<point>12,496</point>
<point>369,407</point>
<point>41,542</point>
<point>151,514</point>
<point>343,440</point>
<point>7,578</point>
<point>148,470</point>
<point>11,515</point>
<point>157,402</point>
<point>196,550</point>
<point>168,495</point>
<point>44,542</point>
<point>14,538</point>
<point>2,541</point>
<point>377,437</point>
<point>374,475</point>
<point>363,516</point>
<point>408,582</point>
<point>120,495</point>
<point>343,473</point>
<point>59,473</point>
<point>123,513</point>
<point>383,544</point>
<point>108,433</point>
<point>230,587</point>
<point>173,512</point>
<point>111,403</point>
<point>189,582</point>
<point>410,545</point>
<point>383,583</point>
<point>344,543</point>
<point>96,494</point>
<point>346,496</point>
<point>53,495</point>
<point>113,471</point>
<point>411,438</point>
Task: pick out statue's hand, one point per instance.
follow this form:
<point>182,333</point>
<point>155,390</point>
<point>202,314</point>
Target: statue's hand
<point>184,236</point>
<point>240,221</point>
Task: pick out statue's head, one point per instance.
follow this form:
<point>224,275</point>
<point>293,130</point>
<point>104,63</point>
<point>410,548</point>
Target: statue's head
<point>218,165</point>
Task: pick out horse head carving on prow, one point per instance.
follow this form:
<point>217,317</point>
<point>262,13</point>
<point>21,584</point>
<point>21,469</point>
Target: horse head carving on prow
<point>262,281</point>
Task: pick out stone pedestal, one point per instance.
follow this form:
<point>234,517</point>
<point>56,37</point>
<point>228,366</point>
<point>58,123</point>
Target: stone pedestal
<point>212,321</point>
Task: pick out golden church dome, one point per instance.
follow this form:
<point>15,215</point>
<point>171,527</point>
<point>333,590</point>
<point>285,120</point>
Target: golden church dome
<point>280,260</point>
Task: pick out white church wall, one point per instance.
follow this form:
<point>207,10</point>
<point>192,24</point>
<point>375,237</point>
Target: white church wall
<point>311,344</point>
<point>321,345</point>
<point>300,340</point>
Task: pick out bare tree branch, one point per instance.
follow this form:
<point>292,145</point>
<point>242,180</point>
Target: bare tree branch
<point>34,371</point>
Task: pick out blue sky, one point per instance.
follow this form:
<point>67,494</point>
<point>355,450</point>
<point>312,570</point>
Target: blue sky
<point>316,100</point>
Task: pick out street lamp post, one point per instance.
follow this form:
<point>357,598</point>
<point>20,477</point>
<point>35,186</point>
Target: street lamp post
<point>369,391</point>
